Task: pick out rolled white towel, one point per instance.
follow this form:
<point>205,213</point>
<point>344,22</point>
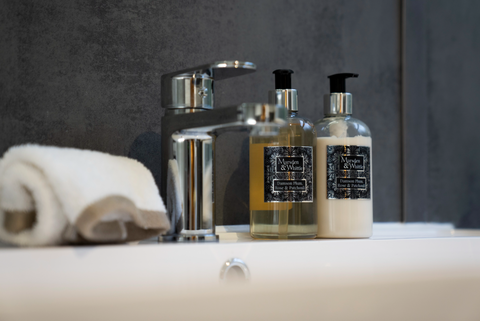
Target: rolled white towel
<point>52,195</point>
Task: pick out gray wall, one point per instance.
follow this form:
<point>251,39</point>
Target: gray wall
<point>453,56</point>
<point>87,75</point>
<point>441,67</point>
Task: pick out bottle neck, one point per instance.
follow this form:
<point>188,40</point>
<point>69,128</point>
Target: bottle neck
<point>284,97</point>
<point>337,103</point>
<point>292,113</point>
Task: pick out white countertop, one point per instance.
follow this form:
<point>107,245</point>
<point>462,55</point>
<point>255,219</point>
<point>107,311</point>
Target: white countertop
<point>405,271</point>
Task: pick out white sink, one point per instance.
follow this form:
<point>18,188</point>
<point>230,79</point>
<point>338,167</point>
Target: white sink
<point>404,272</point>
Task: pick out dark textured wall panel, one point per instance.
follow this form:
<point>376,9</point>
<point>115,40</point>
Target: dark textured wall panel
<point>414,111</point>
<point>371,47</point>
<point>454,112</point>
<point>87,74</point>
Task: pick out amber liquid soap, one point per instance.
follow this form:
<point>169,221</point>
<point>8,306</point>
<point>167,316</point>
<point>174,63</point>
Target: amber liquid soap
<point>283,219</point>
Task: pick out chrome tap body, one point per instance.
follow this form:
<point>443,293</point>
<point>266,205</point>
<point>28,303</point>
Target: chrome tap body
<point>189,129</point>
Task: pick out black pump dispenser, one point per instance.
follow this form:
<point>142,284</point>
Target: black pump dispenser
<point>284,94</point>
<point>283,78</point>
<point>338,102</point>
<point>337,82</point>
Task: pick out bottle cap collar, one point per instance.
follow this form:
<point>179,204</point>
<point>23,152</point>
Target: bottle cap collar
<point>284,97</point>
<point>338,104</point>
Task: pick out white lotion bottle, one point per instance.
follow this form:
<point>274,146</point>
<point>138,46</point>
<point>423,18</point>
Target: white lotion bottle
<point>344,167</point>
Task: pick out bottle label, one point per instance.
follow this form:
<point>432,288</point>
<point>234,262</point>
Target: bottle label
<point>348,172</point>
<point>288,174</point>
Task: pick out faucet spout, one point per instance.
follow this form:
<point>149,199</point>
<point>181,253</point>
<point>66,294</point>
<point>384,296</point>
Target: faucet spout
<point>188,139</point>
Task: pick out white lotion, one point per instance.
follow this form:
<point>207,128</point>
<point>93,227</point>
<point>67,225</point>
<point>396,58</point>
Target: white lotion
<point>341,218</point>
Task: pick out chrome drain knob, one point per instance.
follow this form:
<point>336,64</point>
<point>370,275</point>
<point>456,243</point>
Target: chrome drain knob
<point>234,270</point>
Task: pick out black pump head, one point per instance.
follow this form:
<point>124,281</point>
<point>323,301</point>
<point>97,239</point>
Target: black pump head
<point>337,82</point>
<point>283,78</point>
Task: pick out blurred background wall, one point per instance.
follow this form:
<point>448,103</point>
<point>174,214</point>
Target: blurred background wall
<point>86,74</point>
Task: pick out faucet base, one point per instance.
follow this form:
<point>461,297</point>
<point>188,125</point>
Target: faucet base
<point>188,238</point>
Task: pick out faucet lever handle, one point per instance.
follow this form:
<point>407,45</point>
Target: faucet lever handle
<point>192,88</point>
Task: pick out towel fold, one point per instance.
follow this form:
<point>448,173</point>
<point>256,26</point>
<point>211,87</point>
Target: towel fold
<point>52,195</point>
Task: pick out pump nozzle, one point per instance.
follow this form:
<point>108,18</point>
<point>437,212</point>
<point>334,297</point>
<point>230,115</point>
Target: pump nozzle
<point>283,78</point>
<point>338,102</point>
<point>337,82</point>
<point>284,94</point>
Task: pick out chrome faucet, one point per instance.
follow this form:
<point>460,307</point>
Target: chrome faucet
<point>189,128</point>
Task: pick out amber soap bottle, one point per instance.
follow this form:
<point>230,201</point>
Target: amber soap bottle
<point>282,173</point>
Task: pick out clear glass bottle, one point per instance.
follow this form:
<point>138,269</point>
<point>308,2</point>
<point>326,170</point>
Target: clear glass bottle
<point>282,173</point>
<point>344,168</point>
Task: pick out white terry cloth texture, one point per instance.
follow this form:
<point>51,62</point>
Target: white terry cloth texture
<point>52,196</point>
